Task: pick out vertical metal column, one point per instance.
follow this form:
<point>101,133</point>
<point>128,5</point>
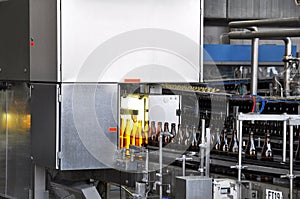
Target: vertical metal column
<point>160,165</point>
<point>288,53</point>
<point>202,146</point>
<point>240,159</point>
<point>291,175</point>
<point>207,153</point>
<point>254,63</point>
<point>201,40</point>
<point>284,142</point>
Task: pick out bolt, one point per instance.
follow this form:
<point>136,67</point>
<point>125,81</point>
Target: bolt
<point>25,70</point>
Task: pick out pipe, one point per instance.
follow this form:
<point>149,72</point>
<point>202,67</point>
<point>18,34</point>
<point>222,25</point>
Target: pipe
<point>254,63</point>
<point>262,34</point>
<point>288,53</point>
<point>283,22</point>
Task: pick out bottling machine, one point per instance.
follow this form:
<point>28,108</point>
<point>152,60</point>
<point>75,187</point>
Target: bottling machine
<point>102,94</point>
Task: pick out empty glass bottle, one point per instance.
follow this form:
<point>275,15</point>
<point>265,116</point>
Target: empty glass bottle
<point>267,153</point>
<point>234,143</point>
<point>250,148</point>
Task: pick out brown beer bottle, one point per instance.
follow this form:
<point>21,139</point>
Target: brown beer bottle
<point>250,148</point>
<point>166,138</point>
<point>173,132</point>
<point>122,129</point>
<point>234,143</point>
<point>158,131</point>
<point>133,132</point>
<point>146,133</point>
<point>126,135</point>
<point>152,133</point>
<point>267,153</point>
<point>138,135</point>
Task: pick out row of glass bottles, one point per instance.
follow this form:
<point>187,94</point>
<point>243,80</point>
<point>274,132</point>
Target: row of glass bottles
<point>232,147</point>
<point>138,135</point>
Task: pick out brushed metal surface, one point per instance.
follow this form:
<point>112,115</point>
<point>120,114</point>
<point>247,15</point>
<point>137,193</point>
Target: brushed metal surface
<point>88,112</point>
<point>110,41</point>
<point>193,187</point>
<point>239,9</point>
<point>215,9</point>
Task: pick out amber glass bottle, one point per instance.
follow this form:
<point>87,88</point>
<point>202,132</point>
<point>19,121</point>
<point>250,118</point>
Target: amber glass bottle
<point>146,133</point>
<point>126,135</point>
<point>250,148</point>
<point>133,132</point>
<point>234,143</point>
<point>267,153</point>
<point>139,134</point>
<point>122,130</point>
<point>152,133</point>
<point>158,131</point>
<point>167,138</point>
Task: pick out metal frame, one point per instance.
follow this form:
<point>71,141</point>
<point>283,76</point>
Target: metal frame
<point>290,120</point>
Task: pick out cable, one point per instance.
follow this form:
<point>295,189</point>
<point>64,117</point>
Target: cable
<point>263,103</point>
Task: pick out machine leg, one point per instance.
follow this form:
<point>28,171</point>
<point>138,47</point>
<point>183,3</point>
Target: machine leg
<point>40,183</point>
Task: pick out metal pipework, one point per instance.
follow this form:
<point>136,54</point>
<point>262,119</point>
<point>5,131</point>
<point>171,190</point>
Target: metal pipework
<point>264,34</point>
<point>288,53</point>
<point>283,22</point>
<point>271,35</point>
<point>254,63</point>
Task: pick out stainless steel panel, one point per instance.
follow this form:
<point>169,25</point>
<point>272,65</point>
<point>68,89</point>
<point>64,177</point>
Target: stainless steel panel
<point>215,9</point>
<point>15,119</point>
<point>88,113</point>
<point>162,108</point>
<point>43,33</point>
<point>44,102</point>
<point>193,187</point>
<point>14,48</point>
<point>240,9</point>
<point>110,41</point>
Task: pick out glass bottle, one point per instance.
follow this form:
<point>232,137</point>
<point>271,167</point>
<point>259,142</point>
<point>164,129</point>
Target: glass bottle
<point>179,135</point>
<point>158,131</point>
<point>138,135</point>
<point>173,132</point>
<point>146,133</point>
<point>234,143</point>
<point>250,148</point>
<point>133,132</point>
<point>194,145</point>
<point>126,135</point>
<point>224,142</point>
<point>217,140</point>
<point>166,137</point>
<point>152,133</point>
<point>122,129</point>
<point>267,153</point>
<point>186,136</point>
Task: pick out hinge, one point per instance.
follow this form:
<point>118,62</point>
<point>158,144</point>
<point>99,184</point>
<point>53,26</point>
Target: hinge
<point>59,155</point>
<point>59,96</point>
